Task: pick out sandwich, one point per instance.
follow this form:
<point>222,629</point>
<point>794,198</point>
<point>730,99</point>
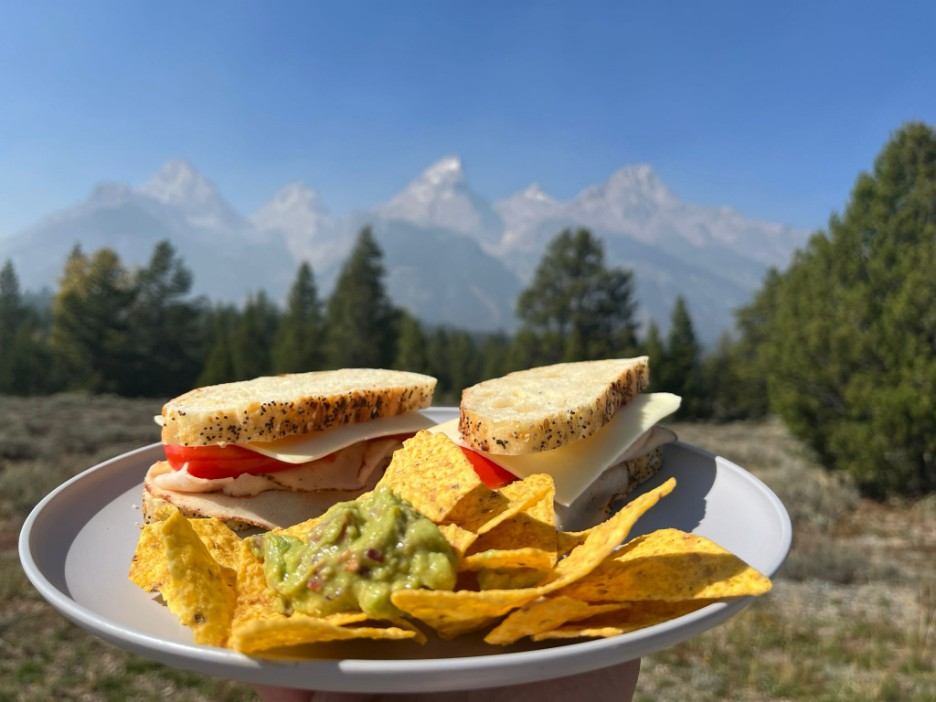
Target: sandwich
<point>274,451</point>
<point>588,424</point>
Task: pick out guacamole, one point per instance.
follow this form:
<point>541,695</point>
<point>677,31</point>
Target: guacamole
<point>356,555</point>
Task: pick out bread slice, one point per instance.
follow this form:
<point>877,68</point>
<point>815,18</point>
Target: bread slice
<point>268,408</point>
<point>547,407</point>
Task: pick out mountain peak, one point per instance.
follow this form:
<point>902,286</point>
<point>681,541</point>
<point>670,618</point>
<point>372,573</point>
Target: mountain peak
<point>180,185</point>
<point>297,195</point>
<point>177,182</point>
<point>445,173</point>
<point>535,192</point>
<point>638,181</point>
<point>441,197</point>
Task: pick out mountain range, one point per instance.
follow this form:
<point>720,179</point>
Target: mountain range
<point>451,256</point>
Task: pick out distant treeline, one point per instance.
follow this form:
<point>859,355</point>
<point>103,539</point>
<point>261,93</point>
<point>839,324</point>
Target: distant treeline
<point>140,332</point>
<point>841,345</point>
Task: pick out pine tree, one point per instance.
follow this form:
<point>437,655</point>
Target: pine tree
<point>494,352</point>
<point>654,348</point>
<point>462,360</point>
<point>851,355</point>
<point>412,352</point>
<point>90,322</point>
<point>11,316</point>
<point>360,320</point>
<point>298,344</point>
<point>749,353</point>
<point>24,352</point>
<point>250,342</point>
<point>682,361</point>
<point>165,327</point>
<point>219,363</point>
<point>577,307</point>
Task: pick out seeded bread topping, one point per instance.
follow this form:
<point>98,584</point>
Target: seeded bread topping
<point>543,408</point>
<point>293,404</point>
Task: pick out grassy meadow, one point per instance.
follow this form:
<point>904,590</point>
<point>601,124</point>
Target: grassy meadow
<point>852,615</point>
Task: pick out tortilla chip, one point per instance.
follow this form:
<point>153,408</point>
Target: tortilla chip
<point>255,599</point>
<point>526,540</point>
<point>223,545</point>
<point>531,558</point>
<point>148,568</point>
<point>669,565</point>
<point>601,540</point>
<point>510,578</point>
<point>298,629</point>
<point>485,510</point>
<point>432,474</point>
<point>459,539</point>
<point>195,590</point>
<point>461,611</point>
<point>545,614</point>
<point>567,540</point>
<point>626,618</point>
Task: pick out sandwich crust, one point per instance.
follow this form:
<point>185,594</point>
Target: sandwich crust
<point>547,407</point>
<point>269,408</point>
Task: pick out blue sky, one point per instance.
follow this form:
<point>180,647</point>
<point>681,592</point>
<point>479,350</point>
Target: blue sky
<point>772,109</point>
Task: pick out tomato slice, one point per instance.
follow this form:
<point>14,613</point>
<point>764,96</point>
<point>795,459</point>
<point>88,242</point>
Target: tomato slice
<point>490,473</point>
<point>216,462</point>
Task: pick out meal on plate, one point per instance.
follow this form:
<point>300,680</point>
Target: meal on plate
<point>275,451</point>
<point>439,544</point>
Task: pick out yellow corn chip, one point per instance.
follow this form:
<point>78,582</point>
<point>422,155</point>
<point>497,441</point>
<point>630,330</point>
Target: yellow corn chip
<point>255,599</point>
<point>545,614</point>
<point>459,539</point>
<point>195,590</point>
<point>567,540</point>
<point>601,540</point>
<point>628,617</point>
<point>223,545</point>
<point>432,474</point>
<point>298,629</point>
<point>148,568</point>
<point>510,579</point>
<point>485,510</point>
<point>669,565</point>
<point>530,536</point>
<point>481,510</point>
<point>455,613</point>
<point>532,558</point>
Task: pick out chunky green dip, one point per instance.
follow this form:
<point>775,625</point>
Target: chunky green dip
<point>357,554</point>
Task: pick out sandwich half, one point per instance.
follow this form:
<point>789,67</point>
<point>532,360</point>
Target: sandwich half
<point>588,424</point>
<point>275,451</point>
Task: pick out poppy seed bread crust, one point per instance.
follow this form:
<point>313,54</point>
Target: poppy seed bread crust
<point>274,407</point>
<point>543,408</point>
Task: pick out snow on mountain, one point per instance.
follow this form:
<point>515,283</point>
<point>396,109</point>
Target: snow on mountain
<point>177,204</point>
<point>310,231</point>
<point>715,257</point>
<point>180,186</point>
<point>441,198</point>
<point>450,255</point>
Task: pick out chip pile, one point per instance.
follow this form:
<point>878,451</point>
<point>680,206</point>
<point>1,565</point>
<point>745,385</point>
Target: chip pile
<point>519,576</point>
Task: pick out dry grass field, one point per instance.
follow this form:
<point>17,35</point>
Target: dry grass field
<point>852,615</point>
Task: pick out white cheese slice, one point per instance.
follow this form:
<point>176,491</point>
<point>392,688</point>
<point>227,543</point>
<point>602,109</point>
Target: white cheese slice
<point>311,447</point>
<point>577,465</point>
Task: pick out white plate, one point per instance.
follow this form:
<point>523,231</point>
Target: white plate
<point>76,546</point>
